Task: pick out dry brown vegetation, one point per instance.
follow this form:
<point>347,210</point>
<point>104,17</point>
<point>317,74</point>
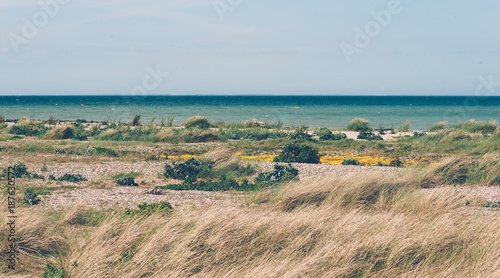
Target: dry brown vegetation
<point>363,225</point>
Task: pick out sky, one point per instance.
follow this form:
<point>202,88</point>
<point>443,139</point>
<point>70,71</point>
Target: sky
<point>235,47</point>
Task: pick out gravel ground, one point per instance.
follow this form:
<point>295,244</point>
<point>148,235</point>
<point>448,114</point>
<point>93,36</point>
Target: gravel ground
<point>130,197</point>
<point>306,170</point>
<point>101,192</point>
<point>481,193</point>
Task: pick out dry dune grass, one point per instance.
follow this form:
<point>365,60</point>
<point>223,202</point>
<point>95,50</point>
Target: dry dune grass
<point>165,133</point>
<point>222,156</point>
<point>363,225</point>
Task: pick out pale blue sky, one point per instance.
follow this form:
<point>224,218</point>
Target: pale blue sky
<point>261,47</point>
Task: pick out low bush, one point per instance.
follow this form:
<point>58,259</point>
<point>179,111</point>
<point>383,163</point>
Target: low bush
<point>37,176</point>
<point>253,134</point>
<point>370,136</point>
<point>80,134</point>
<point>127,182</point>
<point>146,209</point>
<point>325,134</point>
<point>301,133</point>
<point>71,178</point>
<point>105,151</point>
<point>350,161</point>
<point>131,174</point>
<point>359,124</point>
<point>20,170</point>
<point>299,154</point>
<point>280,174</point>
<point>191,168</point>
<point>29,129</point>
<point>30,197</point>
<point>492,205</point>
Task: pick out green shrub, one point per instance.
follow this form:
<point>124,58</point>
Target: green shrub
<point>299,154</point>
<point>492,205</point>
<point>30,197</point>
<point>72,178</point>
<point>370,136</point>
<point>127,175</point>
<point>2,119</point>
<point>80,121</point>
<point>146,209</point>
<point>359,124</point>
<point>350,161</point>
<point>253,134</point>
<point>418,134</point>
<point>197,122</point>
<point>29,129</point>
<point>301,133</point>
<point>191,168</point>
<point>280,174</point>
<point>325,134</point>
<point>405,127</point>
<point>3,125</point>
<point>20,170</point>
<point>80,134</point>
<point>105,151</point>
<point>126,182</point>
<point>37,176</point>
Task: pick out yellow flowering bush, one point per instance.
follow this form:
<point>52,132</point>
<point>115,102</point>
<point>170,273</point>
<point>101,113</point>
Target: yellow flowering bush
<point>337,159</point>
<point>184,157</point>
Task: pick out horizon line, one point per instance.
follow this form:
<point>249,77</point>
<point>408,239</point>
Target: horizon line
<point>245,95</point>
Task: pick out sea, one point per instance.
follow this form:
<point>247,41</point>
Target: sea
<point>311,111</point>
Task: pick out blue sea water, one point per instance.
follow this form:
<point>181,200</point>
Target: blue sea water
<point>312,111</point>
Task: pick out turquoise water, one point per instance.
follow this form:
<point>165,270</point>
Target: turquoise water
<point>328,111</point>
